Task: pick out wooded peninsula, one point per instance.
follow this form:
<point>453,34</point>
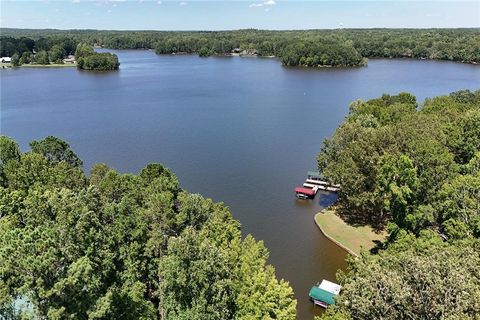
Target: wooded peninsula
<point>414,170</point>
<point>310,48</point>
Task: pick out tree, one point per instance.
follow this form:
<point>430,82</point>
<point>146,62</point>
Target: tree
<point>15,60</point>
<point>42,57</point>
<point>9,151</point>
<point>55,150</point>
<point>396,184</point>
<point>459,206</point>
<point>26,58</point>
<point>83,50</point>
<point>56,53</point>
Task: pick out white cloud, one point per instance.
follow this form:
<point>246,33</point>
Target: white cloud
<point>183,3</point>
<point>159,2</point>
<point>76,1</point>
<point>264,3</point>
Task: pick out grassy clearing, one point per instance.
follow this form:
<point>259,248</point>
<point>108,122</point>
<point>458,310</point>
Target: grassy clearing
<point>52,65</point>
<point>349,237</point>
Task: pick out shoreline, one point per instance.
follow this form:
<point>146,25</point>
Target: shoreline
<point>53,65</point>
<point>332,238</point>
<point>350,238</point>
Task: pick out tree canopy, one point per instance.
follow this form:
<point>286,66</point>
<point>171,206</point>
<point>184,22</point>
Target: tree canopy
<point>88,59</point>
<point>409,166</point>
<point>122,246</point>
<point>415,169</point>
<point>415,278</point>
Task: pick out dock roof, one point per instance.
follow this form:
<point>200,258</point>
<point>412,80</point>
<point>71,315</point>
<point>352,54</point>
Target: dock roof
<point>319,294</point>
<point>330,287</point>
<point>306,191</point>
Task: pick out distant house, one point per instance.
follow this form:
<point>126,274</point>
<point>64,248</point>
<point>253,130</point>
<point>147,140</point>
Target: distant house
<point>70,59</point>
<point>5,60</point>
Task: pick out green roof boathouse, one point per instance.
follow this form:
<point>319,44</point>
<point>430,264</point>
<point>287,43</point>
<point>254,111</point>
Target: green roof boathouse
<point>324,294</point>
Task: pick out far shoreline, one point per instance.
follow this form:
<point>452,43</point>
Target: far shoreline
<point>52,65</point>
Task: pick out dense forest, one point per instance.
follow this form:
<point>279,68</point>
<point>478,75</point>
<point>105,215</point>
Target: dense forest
<point>415,170</point>
<point>45,51</point>
<point>122,246</point>
<point>314,48</point>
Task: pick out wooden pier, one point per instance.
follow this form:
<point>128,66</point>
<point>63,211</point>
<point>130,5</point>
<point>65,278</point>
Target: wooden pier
<point>314,179</point>
<point>315,182</point>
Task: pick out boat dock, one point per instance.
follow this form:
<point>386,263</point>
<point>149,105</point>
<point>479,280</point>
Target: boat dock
<point>324,294</point>
<point>313,183</point>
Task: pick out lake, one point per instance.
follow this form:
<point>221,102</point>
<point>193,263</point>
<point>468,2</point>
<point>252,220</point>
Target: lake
<point>244,131</point>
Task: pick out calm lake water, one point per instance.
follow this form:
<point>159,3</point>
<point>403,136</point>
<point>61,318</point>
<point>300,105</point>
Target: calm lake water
<point>239,130</point>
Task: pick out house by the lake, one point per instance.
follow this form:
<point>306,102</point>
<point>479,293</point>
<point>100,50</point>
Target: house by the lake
<point>5,59</point>
<point>70,59</point>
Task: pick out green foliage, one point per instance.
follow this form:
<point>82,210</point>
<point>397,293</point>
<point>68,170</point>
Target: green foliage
<point>88,59</point>
<point>15,60</point>
<point>99,61</point>
<point>419,172</point>
<point>42,57</point>
<point>311,48</point>
<point>55,150</point>
<point>26,58</point>
<point>396,183</point>
<point>57,53</point>
<point>415,278</point>
<point>83,50</point>
<point>9,151</point>
<point>414,168</point>
<point>123,246</point>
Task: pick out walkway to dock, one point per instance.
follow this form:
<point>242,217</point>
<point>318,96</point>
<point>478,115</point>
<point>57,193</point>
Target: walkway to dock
<point>315,180</point>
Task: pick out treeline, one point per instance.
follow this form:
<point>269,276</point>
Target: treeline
<point>122,246</point>
<point>88,59</point>
<point>341,47</point>
<point>25,50</point>
<point>47,50</point>
<point>415,170</point>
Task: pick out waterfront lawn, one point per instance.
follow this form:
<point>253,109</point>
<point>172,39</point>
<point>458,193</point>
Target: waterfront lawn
<point>51,65</point>
<point>351,238</point>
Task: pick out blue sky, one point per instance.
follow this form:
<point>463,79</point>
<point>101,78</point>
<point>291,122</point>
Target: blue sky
<point>227,15</point>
